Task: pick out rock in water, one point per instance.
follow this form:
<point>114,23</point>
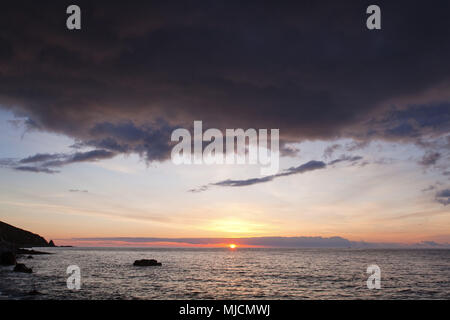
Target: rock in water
<point>34,293</point>
<point>51,244</point>
<point>146,263</point>
<point>29,252</point>
<point>7,258</point>
<point>20,267</point>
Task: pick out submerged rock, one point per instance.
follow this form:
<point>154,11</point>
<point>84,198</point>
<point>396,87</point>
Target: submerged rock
<point>30,257</point>
<point>29,252</point>
<point>146,263</point>
<point>34,293</point>
<point>20,267</point>
<point>7,258</point>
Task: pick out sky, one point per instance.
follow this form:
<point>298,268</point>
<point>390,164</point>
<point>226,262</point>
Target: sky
<point>86,118</point>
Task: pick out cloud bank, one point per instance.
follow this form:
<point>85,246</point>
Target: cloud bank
<point>137,70</point>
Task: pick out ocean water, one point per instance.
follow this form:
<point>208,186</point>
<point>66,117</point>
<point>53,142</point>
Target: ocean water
<point>108,273</point>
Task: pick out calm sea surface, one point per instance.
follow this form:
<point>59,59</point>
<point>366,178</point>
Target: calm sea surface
<point>108,273</point>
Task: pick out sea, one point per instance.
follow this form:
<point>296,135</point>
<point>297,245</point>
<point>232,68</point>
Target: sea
<point>222,273</point>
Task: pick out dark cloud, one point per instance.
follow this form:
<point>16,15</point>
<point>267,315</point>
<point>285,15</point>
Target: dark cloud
<point>306,167</point>
<point>40,157</point>
<point>93,155</point>
<point>417,121</point>
<point>242,183</point>
<point>140,68</point>
<point>345,158</point>
<point>150,141</point>
<point>35,169</point>
<point>309,166</point>
<point>430,158</point>
<point>46,163</point>
<point>89,156</point>
<point>443,197</point>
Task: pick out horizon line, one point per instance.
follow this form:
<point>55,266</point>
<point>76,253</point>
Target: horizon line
<point>255,242</point>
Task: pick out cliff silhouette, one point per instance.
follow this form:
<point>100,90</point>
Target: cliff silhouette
<point>12,237</point>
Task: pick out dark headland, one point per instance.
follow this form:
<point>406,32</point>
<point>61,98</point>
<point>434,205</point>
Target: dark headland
<point>13,241</point>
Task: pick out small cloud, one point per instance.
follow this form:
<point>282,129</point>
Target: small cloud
<point>289,151</point>
<point>429,188</point>
<point>7,162</point>
<point>328,153</point>
<point>345,158</point>
<point>356,145</point>
<point>443,197</point>
<point>364,163</point>
<point>199,189</point>
<point>242,183</point>
<point>303,168</point>
<point>47,162</point>
<point>430,158</point>
<point>79,191</point>
<point>40,157</point>
<point>309,166</point>
<point>36,169</point>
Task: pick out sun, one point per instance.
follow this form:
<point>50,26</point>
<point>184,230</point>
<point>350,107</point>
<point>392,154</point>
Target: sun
<point>232,246</point>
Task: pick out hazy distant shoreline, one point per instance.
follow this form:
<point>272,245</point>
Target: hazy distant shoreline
<point>11,236</point>
<point>263,242</point>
